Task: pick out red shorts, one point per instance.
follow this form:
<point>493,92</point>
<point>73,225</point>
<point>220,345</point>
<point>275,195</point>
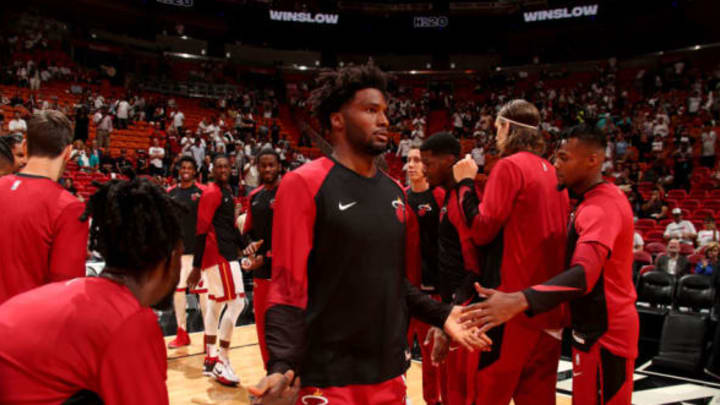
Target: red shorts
<point>433,377</point>
<point>461,368</point>
<point>522,366</point>
<point>601,378</point>
<point>261,287</point>
<point>390,392</point>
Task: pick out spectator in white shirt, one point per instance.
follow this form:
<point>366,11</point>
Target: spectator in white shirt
<point>97,117</point>
<point>197,151</point>
<point>657,145</point>
<point>17,124</point>
<point>103,131</point>
<point>478,155</point>
<point>708,235</point>
<point>638,243</point>
<point>404,148</point>
<point>680,229</point>
<point>157,154</point>
<point>709,138</point>
<point>123,111</point>
<point>178,121</point>
<point>251,175</point>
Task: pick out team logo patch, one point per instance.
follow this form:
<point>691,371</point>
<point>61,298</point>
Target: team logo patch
<point>272,204</point>
<point>195,196</point>
<point>443,211</point>
<point>316,398</point>
<point>424,209</point>
<point>399,206</point>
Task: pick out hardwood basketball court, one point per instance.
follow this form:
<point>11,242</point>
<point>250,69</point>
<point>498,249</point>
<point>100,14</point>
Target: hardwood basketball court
<point>187,385</point>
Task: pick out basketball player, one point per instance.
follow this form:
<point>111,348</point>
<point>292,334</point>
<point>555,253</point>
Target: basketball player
<point>597,281</point>
<point>187,193</point>
<point>343,242</point>
<point>258,227</point>
<point>459,258</point>
<point>44,241</point>
<point>95,340</point>
<point>425,203</point>
<point>15,143</point>
<point>7,160</point>
<point>521,224</point>
<point>217,254</point>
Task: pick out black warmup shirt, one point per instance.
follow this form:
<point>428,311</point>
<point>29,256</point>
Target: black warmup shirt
<point>258,226</point>
<point>218,239</point>
<point>426,206</point>
<point>339,301</point>
<point>190,197</point>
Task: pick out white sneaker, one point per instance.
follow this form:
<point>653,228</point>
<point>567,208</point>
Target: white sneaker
<point>224,373</point>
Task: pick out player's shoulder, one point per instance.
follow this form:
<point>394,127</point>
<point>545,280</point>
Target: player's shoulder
<point>605,202</point>
<point>256,191</point>
<point>395,182</point>
<point>310,175</point>
<point>315,168</point>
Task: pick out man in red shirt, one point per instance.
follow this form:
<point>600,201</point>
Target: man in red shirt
<point>597,283</point>
<point>96,337</point>
<point>44,239</point>
<point>521,226</point>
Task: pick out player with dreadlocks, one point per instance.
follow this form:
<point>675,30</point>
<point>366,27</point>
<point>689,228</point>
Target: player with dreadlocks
<point>344,245</point>
<point>96,337</point>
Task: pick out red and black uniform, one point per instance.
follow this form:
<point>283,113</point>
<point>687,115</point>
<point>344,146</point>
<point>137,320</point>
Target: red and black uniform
<point>521,226</point>
<point>258,226</point>
<point>459,266</point>
<point>190,198</point>
<point>43,239</point>
<point>426,206</point>
<point>339,301</point>
<point>598,284</point>
<point>87,334</point>
<point>218,240</point>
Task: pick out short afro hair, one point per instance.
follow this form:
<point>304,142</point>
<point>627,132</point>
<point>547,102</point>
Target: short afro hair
<point>587,134</point>
<point>189,160</point>
<point>337,87</point>
<point>442,143</point>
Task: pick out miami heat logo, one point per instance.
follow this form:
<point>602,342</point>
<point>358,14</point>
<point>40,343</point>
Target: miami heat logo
<point>424,209</point>
<point>443,211</point>
<point>399,206</point>
<point>316,398</point>
<point>272,204</point>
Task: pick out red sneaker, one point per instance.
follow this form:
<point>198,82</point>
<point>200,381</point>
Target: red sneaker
<point>182,339</point>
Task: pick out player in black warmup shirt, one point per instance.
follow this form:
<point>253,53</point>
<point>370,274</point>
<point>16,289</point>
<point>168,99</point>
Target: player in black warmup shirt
<point>343,244</point>
<point>425,203</point>
<point>258,227</point>
<point>188,193</point>
<point>458,259</point>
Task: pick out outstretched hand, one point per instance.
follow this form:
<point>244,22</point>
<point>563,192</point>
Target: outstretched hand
<point>470,338</point>
<point>276,389</point>
<point>498,308</point>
